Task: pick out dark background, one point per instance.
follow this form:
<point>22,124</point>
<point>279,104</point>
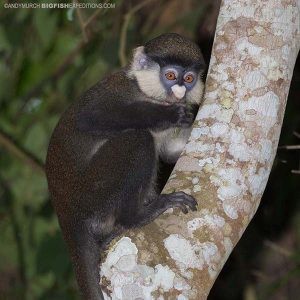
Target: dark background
<point>47,58</point>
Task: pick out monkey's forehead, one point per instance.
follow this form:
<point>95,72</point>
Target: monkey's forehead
<point>172,46</point>
<point>176,60</point>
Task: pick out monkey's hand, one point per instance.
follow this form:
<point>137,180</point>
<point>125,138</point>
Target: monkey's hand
<point>182,116</point>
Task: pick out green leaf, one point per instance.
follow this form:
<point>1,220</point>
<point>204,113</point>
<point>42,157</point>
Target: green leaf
<point>52,256</point>
<point>36,140</point>
<point>4,43</point>
<point>45,22</point>
<point>70,13</point>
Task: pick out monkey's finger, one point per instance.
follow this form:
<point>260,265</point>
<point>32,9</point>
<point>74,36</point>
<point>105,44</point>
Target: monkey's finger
<point>184,199</point>
<point>176,200</point>
<point>188,199</point>
<point>183,208</point>
<point>193,207</point>
<point>186,120</point>
<point>172,204</point>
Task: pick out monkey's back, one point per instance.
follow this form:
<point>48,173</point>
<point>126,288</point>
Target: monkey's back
<point>71,150</point>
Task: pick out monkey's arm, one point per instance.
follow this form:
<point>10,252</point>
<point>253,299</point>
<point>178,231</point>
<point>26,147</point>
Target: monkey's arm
<point>119,116</point>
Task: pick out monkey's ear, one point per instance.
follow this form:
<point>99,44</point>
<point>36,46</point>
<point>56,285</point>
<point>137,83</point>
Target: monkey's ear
<point>140,60</point>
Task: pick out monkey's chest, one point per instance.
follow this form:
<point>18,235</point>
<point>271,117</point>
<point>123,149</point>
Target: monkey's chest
<point>171,142</point>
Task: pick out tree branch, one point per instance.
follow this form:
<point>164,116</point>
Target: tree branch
<point>63,67</point>
<point>226,163</point>
<point>14,148</point>
<point>81,23</point>
<point>7,198</point>
<point>296,134</point>
<point>297,172</point>
<point>93,17</point>
<point>124,30</point>
<point>290,147</point>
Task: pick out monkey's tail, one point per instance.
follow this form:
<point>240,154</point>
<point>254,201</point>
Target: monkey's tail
<point>86,258</point>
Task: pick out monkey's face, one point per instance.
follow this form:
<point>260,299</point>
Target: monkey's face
<point>164,81</point>
<point>177,80</point>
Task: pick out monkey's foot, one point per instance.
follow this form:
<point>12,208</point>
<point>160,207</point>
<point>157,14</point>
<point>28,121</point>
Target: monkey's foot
<point>118,230</point>
<point>180,200</point>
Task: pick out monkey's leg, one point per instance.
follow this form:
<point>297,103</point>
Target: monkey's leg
<point>102,193</point>
<point>117,185</point>
<point>135,166</point>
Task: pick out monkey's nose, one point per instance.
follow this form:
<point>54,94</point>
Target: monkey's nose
<point>178,91</point>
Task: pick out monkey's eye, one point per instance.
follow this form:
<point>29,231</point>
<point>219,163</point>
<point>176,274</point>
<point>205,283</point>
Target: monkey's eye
<point>170,75</point>
<point>189,78</point>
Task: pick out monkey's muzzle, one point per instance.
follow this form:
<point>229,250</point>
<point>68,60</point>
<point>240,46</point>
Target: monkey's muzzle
<point>178,91</point>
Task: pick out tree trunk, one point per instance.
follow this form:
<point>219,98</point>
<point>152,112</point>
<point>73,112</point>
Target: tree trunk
<point>226,163</point>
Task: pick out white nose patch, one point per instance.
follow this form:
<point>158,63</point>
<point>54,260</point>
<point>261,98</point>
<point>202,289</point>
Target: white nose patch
<point>179,91</point>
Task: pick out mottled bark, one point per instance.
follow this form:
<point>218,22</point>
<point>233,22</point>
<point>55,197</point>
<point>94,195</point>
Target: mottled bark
<point>226,163</point>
